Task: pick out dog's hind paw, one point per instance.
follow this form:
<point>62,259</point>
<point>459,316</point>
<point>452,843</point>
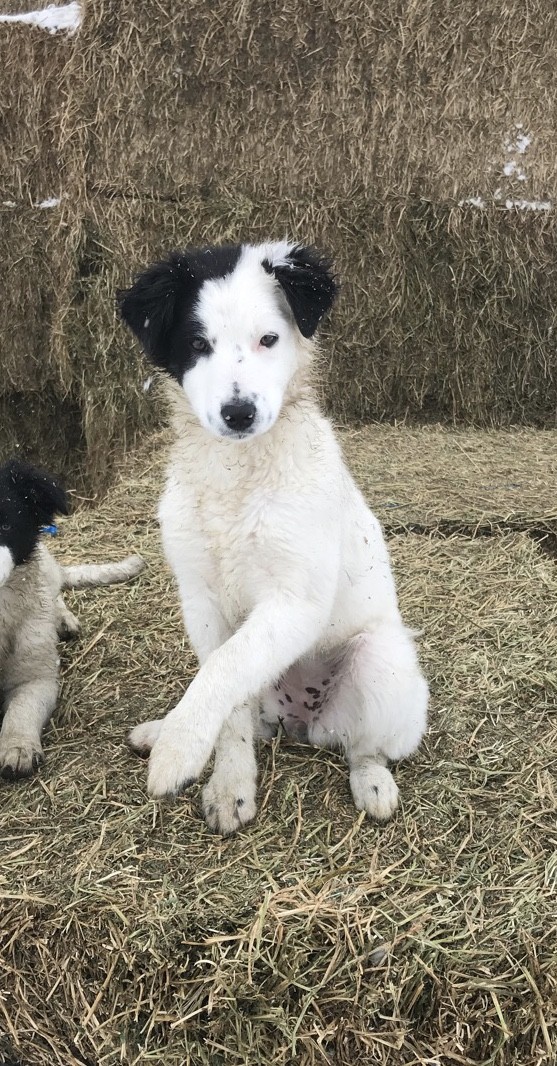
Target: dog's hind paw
<point>19,757</point>
<point>374,790</point>
<point>229,802</point>
<point>67,625</point>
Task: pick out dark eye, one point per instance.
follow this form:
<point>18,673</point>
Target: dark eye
<point>199,344</point>
<point>268,340</point>
<point>5,527</point>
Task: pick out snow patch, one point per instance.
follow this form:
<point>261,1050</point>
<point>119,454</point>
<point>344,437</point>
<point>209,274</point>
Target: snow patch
<point>44,205</point>
<point>516,142</point>
<point>511,205</point>
<point>474,201</point>
<point>521,143</point>
<point>52,201</point>
<point>53,19</point>
<point>528,205</point>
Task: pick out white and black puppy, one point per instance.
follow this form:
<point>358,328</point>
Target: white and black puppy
<point>284,576</point>
<point>32,612</point>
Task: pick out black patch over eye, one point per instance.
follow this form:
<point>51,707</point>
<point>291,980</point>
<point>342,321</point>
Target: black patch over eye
<point>199,344</point>
<point>269,339</point>
<point>5,527</point>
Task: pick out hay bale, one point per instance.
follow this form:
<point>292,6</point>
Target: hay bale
<point>433,352</point>
<point>298,98</point>
<point>314,936</point>
<point>34,90</point>
<point>358,129</point>
<point>40,414</point>
<point>427,335</point>
<point>374,134</point>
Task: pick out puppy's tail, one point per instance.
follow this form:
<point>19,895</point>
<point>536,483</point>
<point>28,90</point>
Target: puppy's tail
<point>89,574</point>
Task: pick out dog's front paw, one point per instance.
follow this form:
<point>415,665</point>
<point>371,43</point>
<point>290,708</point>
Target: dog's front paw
<point>374,790</point>
<point>142,738</point>
<point>19,757</point>
<point>229,802</point>
<point>175,763</point>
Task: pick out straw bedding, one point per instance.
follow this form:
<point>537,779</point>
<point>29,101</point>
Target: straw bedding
<point>460,480</point>
<point>131,934</point>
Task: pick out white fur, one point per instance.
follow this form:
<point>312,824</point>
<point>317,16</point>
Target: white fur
<point>32,616</point>
<point>282,570</point>
<point>6,564</point>
<point>28,661</point>
<point>238,311</point>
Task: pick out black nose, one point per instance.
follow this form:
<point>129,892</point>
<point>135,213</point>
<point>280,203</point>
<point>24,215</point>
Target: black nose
<point>238,415</point>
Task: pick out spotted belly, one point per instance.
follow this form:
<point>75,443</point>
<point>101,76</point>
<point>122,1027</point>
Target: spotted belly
<point>301,696</point>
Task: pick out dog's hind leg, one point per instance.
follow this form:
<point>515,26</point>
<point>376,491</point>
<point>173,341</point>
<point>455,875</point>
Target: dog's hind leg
<point>376,713</point>
<point>67,625</point>
<point>229,795</point>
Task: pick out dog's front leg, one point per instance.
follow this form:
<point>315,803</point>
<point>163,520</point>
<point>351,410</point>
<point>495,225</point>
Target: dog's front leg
<point>276,633</point>
<point>229,795</point>
<point>31,690</point>
<point>206,629</point>
<point>28,708</point>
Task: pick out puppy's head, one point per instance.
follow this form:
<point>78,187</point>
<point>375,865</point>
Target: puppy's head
<point>228,323</point>
<point>29,498</point>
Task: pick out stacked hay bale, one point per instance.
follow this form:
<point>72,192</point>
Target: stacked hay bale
<point>64,400</point>
<point>402,140</point>
<point>36,408</point>
<point>415,143</point>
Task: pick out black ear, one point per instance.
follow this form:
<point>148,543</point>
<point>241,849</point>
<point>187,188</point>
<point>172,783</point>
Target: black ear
<point>45,496</point>
<point>149,306</point>
<point>307,280</point>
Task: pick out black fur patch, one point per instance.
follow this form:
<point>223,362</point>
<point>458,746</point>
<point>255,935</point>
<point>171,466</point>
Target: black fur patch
<point>158,307</point>
<point>29,499</point>
<point>309,285</point>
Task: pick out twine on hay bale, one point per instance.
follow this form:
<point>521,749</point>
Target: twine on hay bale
<point>314,934</point>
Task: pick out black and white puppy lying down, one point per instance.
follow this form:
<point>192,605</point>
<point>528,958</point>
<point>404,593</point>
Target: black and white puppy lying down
<point>32,612</point>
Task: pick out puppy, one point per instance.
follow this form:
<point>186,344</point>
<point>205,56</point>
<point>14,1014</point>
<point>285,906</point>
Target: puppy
<point>32,611</point>
<point>284,576</point>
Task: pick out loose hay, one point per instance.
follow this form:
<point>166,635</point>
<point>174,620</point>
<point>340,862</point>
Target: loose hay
<point>465,480</point>
<point>130,934</point>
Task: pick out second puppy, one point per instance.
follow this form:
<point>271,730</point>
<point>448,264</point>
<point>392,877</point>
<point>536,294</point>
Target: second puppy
<point>32,612</point>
